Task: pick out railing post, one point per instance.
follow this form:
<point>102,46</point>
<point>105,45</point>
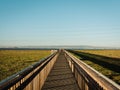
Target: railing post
<point>88,78</point>
<point>31,78</point>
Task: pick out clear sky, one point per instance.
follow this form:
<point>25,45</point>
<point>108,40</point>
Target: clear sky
<point>60,22</point>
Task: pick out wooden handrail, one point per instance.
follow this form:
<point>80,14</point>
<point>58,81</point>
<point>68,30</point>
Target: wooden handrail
<point>33,77</point>
<point>87,77</point>
<point>23,78</point>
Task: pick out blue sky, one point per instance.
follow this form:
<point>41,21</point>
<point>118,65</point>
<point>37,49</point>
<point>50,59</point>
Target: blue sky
<point>60,22</point>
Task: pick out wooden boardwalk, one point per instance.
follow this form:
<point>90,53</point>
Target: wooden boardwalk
<point>82,76</point>
<point>60,77</point>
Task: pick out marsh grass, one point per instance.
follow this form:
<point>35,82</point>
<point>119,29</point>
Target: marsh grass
<point>108,53</point>
<point>101,66</point>
<point>12,61</point>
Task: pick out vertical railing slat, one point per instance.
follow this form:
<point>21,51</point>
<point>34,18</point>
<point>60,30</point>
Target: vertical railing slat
<point>87,77</point>
<point>31,78</point>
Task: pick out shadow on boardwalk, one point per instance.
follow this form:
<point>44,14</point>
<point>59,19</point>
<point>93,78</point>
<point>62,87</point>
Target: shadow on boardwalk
<point>60,77</point>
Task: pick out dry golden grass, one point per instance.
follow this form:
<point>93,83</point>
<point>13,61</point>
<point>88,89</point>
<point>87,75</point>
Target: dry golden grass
<point>99,62</point>
<point>108,53</point>
<point>12,61</point>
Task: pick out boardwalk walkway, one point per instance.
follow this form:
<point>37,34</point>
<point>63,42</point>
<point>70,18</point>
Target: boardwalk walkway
<point>60,77</point>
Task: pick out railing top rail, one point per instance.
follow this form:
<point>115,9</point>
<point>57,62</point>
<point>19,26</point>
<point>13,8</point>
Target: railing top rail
<point>102,80</point>
<point>21,74</point>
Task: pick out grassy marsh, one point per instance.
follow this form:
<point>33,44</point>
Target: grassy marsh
<point>12,61</point>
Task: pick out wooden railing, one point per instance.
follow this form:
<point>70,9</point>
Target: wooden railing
<point>31,78</point>
<point>88,78</point>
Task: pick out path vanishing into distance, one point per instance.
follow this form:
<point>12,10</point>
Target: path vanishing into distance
<point>59,71</point>
<point>61,77</point>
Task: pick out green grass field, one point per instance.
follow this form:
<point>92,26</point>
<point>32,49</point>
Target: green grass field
<point>12,61</point>
<point>108,65</point>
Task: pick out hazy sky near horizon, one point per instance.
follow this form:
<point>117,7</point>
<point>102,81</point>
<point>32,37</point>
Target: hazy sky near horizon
<point>60,22</point>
